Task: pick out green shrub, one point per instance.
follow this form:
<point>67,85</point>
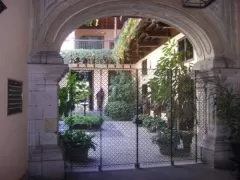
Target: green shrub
<point>77,139</point>
<point>88,120</point>
<point>165,137</point>
<point>153,124</point>
<point>121,97</point>
<point>147,121</point>
<point>158,125</point>
<point>120,110</point>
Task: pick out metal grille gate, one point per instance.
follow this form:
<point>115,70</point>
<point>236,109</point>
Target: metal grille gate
<point>133,120</point>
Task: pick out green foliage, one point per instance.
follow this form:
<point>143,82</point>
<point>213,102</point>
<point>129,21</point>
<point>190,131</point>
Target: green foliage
<point>122,88</point>
<point>147,121</point>
<point>169,68</point>
<point>120,110</point>
<point>121,99</point>
<point>77,139</point>
<point>71,94</point>
<point>124,39</point>
<point>163,138</point>
<point>227,107</point>
<point>172,84</point>
<point>186,136</point>
<point>153,124</point>
<point>93,56</point>
<point>64,107</point>
<point>82,91</point>
<point>92,22</point>
<point>88,120</point>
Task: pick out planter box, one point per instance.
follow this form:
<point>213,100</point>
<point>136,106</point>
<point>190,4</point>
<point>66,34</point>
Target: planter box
<point>166,149</point>
<point>76,154</point>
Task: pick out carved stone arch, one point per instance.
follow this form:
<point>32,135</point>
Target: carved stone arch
<point>202,29</point>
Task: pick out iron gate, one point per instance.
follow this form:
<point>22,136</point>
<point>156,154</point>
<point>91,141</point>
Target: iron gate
<point>137,119</point>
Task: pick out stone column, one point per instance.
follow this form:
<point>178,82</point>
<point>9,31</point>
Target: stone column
<point>215,149</point>
<point>44,73</point>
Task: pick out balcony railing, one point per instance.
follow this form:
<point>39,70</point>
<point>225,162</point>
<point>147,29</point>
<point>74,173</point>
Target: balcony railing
<point>88,44</point>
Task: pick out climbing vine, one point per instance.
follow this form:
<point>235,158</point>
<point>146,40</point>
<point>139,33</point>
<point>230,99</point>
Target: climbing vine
<point>92,22</point>
<point>124,39</point>
<point>93,56</point>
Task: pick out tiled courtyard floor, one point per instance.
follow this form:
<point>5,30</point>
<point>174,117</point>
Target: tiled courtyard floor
<point>117,148</point>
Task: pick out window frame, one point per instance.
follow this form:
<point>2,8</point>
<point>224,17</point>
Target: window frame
<point>185,49</point>
<point>144,67</point>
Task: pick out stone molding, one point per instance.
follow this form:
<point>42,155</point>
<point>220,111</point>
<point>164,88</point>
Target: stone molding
<point>206,32</point>
<point>46,57</point>
<point>214,146</point>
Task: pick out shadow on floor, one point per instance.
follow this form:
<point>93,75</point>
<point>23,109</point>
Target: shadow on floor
<point>189,172</point>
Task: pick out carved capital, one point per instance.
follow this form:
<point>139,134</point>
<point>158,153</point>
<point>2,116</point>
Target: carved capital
<point>50,73</point>
<point>214,63</point>
<point>46,57</point>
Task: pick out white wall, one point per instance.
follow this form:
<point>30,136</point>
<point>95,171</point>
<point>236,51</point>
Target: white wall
<point>154,56</point>
<point>69,43</point>
<point>14,38</point>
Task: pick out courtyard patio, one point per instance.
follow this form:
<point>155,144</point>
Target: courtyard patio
<point>117,148</point>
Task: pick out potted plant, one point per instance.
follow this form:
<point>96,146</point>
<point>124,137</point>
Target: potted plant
<point>139,117</point>
<point>158,125</point>
<point>186,137</point>
<point>164,141</point>
<point>227,108</point>
<point>76,144</point>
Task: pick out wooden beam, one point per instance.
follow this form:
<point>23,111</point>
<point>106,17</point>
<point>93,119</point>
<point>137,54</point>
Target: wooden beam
<point>153,43</point>
<point>159,34</point>
<point>135,53</point>
<point>142,36</point>
<point>151,26</point>
<point>144,48</point>
<point>147,38</point>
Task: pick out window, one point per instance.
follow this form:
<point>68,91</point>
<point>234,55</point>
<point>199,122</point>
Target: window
<point>111,44</point>
<point>144,67</point>
<point>90,42</point>
<point>185,49</point>
<point>15,101</point>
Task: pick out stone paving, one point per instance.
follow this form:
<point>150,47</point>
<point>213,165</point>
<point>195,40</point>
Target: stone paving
<point>119,148</point>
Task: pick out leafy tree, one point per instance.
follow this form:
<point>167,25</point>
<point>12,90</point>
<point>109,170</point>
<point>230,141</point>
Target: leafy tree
<point>121,99</point>
<point>172,85</point>
<point>73,93</point>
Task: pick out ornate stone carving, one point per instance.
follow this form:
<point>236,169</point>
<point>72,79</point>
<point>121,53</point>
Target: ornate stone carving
<point>47,6</point>
<point>215,8</point>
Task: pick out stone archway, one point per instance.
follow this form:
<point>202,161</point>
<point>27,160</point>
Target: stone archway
<point>54,20</point>
<point>202,27</point>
